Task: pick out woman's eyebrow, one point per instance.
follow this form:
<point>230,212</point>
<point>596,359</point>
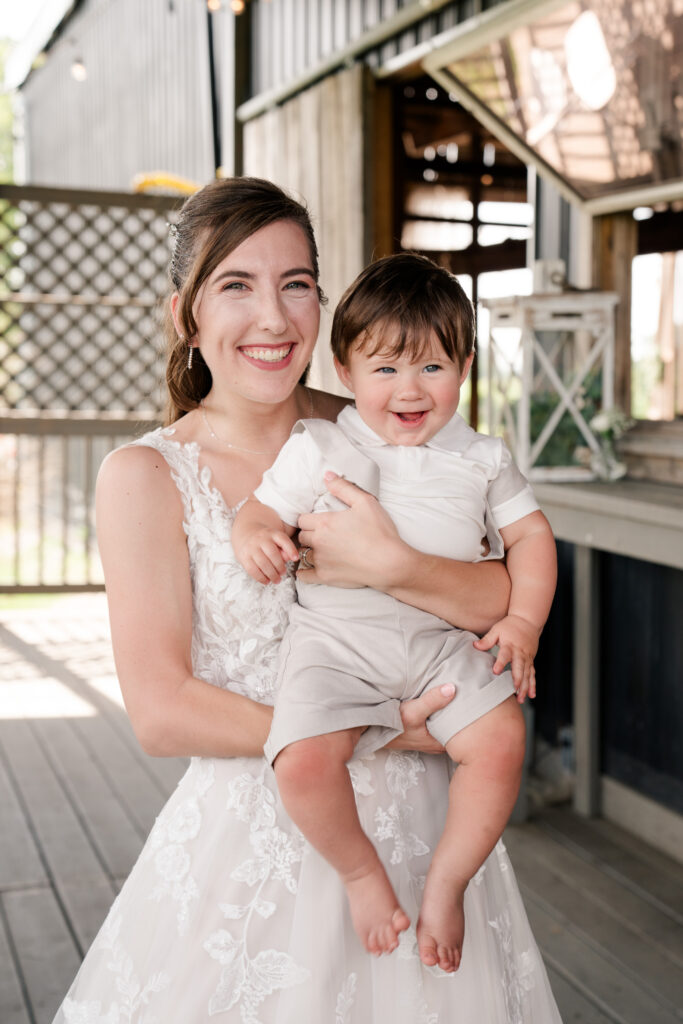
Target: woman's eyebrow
<point>298,270</point>
<point>246,275</point>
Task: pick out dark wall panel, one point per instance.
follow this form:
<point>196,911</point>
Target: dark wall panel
<point>554,661</point>
<point>642,677</point>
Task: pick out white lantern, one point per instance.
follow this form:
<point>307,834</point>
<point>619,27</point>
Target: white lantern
<point>550,374</point>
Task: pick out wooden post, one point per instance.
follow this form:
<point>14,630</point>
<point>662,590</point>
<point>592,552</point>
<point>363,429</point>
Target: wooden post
<point>615,244</point>
<point>586,681</point>
<point>379,173</point>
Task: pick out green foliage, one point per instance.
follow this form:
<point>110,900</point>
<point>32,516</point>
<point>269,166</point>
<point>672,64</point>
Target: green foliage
<point>566,438</point>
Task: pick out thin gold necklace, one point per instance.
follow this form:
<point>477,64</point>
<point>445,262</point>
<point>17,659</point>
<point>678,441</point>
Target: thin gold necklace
<point>236,447</point>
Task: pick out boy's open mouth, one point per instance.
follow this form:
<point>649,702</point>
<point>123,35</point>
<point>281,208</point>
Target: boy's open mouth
<point>412,417</point>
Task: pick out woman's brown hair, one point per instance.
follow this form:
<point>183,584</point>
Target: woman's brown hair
<point>211,225</point>
<point>397,304</point>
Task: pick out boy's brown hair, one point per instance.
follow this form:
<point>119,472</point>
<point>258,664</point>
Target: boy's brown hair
<point>402,300</point>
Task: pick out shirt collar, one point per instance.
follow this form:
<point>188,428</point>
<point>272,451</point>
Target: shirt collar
<point>453,437</point>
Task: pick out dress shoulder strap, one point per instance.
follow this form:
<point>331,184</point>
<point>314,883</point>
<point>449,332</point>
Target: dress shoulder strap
<point>341,453</point>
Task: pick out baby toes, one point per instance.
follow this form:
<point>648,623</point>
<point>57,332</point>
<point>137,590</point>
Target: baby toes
<point>428,952</point>
<point>449,959</point>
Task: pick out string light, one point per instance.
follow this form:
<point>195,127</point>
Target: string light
<point>237,6</point>
<point>79,70</point>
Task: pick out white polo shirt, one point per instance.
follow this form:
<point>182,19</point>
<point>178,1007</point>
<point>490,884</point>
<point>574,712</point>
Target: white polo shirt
<point>444,496</point>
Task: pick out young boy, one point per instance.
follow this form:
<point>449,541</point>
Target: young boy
<point>403,340</point>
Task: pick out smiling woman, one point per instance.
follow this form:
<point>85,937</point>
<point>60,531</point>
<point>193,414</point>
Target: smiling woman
<point>228,910</point>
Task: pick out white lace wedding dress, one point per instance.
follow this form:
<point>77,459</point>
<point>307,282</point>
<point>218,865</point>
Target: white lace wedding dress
<point>229,914</point>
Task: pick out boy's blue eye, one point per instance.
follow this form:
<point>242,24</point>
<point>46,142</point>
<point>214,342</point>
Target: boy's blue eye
<point>432,368</point>
<point>386,369</point>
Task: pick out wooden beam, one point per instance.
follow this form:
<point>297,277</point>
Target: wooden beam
<point>615,244</point>
<point>380,205</point>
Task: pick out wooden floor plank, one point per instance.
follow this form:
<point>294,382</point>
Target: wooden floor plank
<point>69,856</point>
<point>574,1007</point>
<point>589,877</point>
<point>45,949</point>
<point>138,791</point>
<point>644,869</point>
<point>117,839</point>
<point>52,649</point>
<point>13,1008</point>
<point>605,929</point>
<point>20,863</point>
<point>601,981</point>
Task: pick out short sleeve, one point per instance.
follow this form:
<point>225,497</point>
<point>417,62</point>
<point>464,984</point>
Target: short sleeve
<point>293,483</point>
<point>510,496</point>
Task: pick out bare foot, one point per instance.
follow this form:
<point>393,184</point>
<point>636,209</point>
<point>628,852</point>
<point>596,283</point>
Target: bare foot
<point>376,915</point>
<point>441,926</point>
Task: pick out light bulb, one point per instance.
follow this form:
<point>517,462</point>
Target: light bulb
<point>79,70</point>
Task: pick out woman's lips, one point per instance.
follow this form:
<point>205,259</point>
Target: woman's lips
<point>269,357</point>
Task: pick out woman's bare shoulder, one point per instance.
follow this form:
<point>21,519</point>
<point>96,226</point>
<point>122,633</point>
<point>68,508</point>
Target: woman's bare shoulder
<point>136,470</point>
<point>328,406</point>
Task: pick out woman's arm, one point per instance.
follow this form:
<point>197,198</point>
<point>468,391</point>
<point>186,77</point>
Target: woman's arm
<point>144,553</point>
<point>362,548</point>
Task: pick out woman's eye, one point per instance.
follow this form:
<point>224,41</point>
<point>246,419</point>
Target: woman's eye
<point>234,286</point>
<point>303,286</point>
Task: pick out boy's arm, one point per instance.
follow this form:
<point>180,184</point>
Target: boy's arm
<point>531,561</point>
<point>262,542</point>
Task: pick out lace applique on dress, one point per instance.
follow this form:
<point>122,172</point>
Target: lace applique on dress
<point>247,979</point>
<point>237,622</point>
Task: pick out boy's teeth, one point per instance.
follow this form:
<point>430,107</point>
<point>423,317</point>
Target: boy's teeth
<point>268,355</point>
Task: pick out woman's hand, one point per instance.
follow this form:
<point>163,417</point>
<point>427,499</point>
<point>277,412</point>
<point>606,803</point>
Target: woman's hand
<point>414,714</point>
<point>360,547</point>
<point>354,548</point>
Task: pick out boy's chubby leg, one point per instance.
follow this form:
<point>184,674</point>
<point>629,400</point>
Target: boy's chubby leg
<point>489,754</point>
<point>316,789</point>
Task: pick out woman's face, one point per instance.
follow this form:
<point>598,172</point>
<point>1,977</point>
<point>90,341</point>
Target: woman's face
<point>258,315</point>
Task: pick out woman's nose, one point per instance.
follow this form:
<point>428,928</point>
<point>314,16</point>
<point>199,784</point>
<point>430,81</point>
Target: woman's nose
<point>271,315</point>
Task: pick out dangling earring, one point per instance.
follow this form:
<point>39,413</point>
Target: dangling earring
<point>189,356</point>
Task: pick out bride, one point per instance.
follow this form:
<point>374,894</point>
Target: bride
<point>228,913</point>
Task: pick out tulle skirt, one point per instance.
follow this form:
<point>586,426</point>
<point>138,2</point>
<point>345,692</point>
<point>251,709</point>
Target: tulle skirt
<point>229,914</point>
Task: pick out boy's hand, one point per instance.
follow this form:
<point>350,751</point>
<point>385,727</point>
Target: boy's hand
<point>265,553</point>
<point>517,641</point>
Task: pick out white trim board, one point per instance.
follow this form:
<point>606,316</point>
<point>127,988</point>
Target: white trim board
<point>644,818</point>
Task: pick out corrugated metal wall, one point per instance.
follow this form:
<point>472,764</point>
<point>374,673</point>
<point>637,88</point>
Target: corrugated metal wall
<point>290,37</point>
<point>144,106</point>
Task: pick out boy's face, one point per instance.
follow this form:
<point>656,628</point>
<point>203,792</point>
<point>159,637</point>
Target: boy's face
<point>405,401</point>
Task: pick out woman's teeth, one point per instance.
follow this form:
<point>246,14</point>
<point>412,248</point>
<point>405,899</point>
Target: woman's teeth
<point>268,355</point>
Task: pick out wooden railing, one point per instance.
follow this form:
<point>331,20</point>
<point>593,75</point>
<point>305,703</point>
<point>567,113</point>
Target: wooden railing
<point>48,467</point>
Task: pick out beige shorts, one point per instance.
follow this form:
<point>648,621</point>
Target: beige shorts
<point>349,657</point>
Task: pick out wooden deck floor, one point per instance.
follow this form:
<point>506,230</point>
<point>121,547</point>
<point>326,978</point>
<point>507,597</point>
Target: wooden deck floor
<point>77,798</point>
